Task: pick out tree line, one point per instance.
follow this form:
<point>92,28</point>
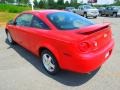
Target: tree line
<point>117,2</point>
<point>52,4</point>
<point>49,4</point>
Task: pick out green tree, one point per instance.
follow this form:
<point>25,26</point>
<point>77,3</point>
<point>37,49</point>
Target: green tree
<point>10,1</point>
<point>67,4</point>
<point>43,4</point>
<point>23,1</point>
<point>73,3</point>
<point>36,4</point>
<point>51,4</point>
<point>2,1</point>
<point>117,2</point>
<point>60,4</point>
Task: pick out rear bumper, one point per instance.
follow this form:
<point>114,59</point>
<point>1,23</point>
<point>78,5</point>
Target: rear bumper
<point>85,63</point>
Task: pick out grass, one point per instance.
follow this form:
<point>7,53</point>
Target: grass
<point>8,12</point>
<point>13,8</point>
<point>5,17</point>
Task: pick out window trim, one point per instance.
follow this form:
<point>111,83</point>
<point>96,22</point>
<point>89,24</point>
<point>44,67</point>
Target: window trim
<point>40,20</point>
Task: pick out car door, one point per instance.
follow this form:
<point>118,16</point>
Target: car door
<point>22,26</point>
<point>108,11</point>
<point>80,11</point>
<point>37,34</point>
<point>111,11</point>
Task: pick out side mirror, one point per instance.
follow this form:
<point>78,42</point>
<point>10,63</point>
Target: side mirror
<point>11,22</point>
<point>14,23</point>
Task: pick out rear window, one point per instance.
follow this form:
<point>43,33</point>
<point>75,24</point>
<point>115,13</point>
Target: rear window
<point>68,20</point>
<point>70,8</point>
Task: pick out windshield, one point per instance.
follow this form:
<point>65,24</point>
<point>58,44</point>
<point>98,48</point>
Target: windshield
<point>68,21</point>
<point>88,7</point>
<point>115,7</point>
<point>102,8</point>
<point>70,8</point>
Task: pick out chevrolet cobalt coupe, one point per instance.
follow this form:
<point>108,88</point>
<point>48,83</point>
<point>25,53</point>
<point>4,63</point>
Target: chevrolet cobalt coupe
<point>62,39</point>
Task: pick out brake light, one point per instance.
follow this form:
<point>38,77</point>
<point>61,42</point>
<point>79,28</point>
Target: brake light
<point>84,46</point>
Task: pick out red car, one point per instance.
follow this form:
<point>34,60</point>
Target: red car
<point>63,40</point>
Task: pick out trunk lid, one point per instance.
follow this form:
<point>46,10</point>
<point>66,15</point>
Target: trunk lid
<point>97,35</point>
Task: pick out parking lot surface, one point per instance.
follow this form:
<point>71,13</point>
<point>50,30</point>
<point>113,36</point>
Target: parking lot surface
<point>21,70</point>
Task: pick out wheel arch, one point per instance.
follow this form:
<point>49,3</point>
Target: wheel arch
<point>85,12</point>
<point>6,30</point>
<point>52,50</point>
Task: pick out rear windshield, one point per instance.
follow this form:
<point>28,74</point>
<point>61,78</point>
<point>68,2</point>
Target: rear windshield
<point>89,7</point>
<point>68,20</point>
<point>70,8</point>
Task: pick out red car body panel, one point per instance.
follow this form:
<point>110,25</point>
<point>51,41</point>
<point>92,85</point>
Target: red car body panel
<point>65,44</point>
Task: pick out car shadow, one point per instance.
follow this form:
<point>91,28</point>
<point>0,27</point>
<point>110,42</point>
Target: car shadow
<point>91,18</point>
<point>110,16</point>
<point>64,77</point>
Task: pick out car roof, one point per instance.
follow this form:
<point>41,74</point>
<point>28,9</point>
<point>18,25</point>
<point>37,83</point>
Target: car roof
<point>70,7</point>
<point>45,12</point>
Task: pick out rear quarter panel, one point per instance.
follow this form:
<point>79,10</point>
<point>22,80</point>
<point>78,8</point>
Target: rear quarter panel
<point>57,45</point>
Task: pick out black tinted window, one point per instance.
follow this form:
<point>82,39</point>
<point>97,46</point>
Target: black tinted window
<point>68,21</point>
<point>24,20</point>
<point>37,23</point>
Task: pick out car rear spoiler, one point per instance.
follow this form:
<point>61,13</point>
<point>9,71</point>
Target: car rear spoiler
<point>93,28</point>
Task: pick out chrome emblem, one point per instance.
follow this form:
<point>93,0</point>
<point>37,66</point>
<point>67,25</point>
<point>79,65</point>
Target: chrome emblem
<point>107,54</point>
<point>95,43</point>
<point>105,35</point>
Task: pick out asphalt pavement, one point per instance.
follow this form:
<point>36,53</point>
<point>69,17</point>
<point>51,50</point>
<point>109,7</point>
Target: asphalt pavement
<point>21,70</point>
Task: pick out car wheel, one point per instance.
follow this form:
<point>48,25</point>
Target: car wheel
<point>114,15</point>
<point>9,38</point>
<point>107,15</point>
<point>49,62</point>
<point>74,12</point>
<point>85,15</point>
<point>95,17</point>
<point>100,14</point>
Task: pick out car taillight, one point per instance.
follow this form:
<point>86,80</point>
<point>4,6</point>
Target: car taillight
<point>84,46</point>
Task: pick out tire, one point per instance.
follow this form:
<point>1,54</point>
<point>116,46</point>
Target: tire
<point>9,38</point>
<point>95,17</point>
<point>74,12</point>
<point>100,14</point>
<point>49,62</point>
<point>85,15</point>
<point>114,14</point>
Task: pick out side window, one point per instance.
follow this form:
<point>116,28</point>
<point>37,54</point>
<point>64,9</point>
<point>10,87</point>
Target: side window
<point>37,23</point>
<point>79,7</point>
<point>24,20</point>
<point>109,8</point>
